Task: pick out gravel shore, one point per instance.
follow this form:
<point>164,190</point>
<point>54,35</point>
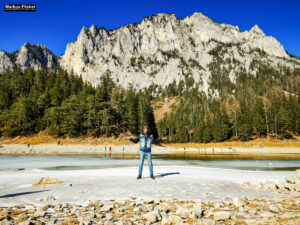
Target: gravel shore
<point>156,211</point>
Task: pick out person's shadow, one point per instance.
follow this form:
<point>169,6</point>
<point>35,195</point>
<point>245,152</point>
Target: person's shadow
<point>21,193</point>
<point>160,175</point>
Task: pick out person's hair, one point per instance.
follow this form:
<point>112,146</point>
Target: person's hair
<point>144,127</point>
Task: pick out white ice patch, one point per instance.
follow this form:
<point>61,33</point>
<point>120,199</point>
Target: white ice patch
<point>182,182</point>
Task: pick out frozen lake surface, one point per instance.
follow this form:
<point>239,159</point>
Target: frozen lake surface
<point>93,162</point>
<point>95,178</point>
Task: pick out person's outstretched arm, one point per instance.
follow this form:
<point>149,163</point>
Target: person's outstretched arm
<point>134,140</point>
<point>158,140</point>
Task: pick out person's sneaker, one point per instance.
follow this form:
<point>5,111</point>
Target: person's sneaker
<point>139,177</point>
<point>152,177</point>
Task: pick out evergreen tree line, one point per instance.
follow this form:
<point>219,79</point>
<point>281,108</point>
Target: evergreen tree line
<point>32,101</point>
<point>258,105</point>
<point>197,118</point>
<point>253,105</point>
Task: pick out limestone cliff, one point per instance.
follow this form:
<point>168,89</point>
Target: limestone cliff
<point>159,50</point>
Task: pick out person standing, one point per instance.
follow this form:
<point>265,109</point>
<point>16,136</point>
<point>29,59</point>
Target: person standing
<point>146,141</point>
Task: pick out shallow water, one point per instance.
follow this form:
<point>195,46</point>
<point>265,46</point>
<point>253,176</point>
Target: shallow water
<point>13,162</point>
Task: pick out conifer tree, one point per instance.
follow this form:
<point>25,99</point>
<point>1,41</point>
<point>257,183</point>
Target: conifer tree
<point>259,121</point>
<point>207,133</point>
<point>131,115</point>
<point>244,122</point>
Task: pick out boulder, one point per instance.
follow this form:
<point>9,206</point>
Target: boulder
<point>255,184</point>
<point>121,222</point>
<point>162,208</point>
<point>49,198</point>
<point>239,201</point>
<point>176,220</point>
<point>197,209</point>
<point>149,201</point>
<point>273,208</point>
<point>39,213</point>
<point>183,212</point>
<point>22,217</point>
<point>151,217</point>
<point>47,180</point>
<point>281,184</point>
<point>106,208</point>
<point>291,180</point>
<point>290,187</point>
<point>197,204</point>
<point>29,222</point>
<point>219,205</point>
<point>170,206</point>
<point>85,222</point>
<point>297,186</point>
<point>208,213</point>
<point>136,209</point>
<point>298,173</point>
<point>157,201</point>
<point>270,186</point>
<point>267,215</point>
<point>108,223</point>
<point>165,221</point>
<point>251,222</point>
<point>221,215</point>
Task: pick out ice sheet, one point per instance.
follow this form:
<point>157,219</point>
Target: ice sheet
<point>178,181</point>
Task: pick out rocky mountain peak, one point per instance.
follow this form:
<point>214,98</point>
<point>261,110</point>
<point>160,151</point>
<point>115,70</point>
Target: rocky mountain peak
<point>35,56</point>
<point>94,30</point>
<point>256,29</point>
<point>29,55</point>
<point>160,17</point>
<point>200,17</point>
<point>5,61</point>
<point>158,50</point>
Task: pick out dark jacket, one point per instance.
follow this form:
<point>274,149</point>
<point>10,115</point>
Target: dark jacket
<point>146,142</point>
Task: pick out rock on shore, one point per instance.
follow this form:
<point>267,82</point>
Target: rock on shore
<point>47,180</point>
<point>291,185</point>
<point>158,211</point>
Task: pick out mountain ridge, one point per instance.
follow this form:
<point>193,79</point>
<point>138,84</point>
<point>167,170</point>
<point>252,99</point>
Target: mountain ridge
<point>157,51</point>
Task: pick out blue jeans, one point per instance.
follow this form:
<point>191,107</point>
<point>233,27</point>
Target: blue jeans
<point>142,158</point>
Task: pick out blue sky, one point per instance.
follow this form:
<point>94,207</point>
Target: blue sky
<point>58,22</point>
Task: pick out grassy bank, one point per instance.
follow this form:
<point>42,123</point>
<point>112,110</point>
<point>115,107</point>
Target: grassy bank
<point>256,143</point>
<point>44,138</point>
